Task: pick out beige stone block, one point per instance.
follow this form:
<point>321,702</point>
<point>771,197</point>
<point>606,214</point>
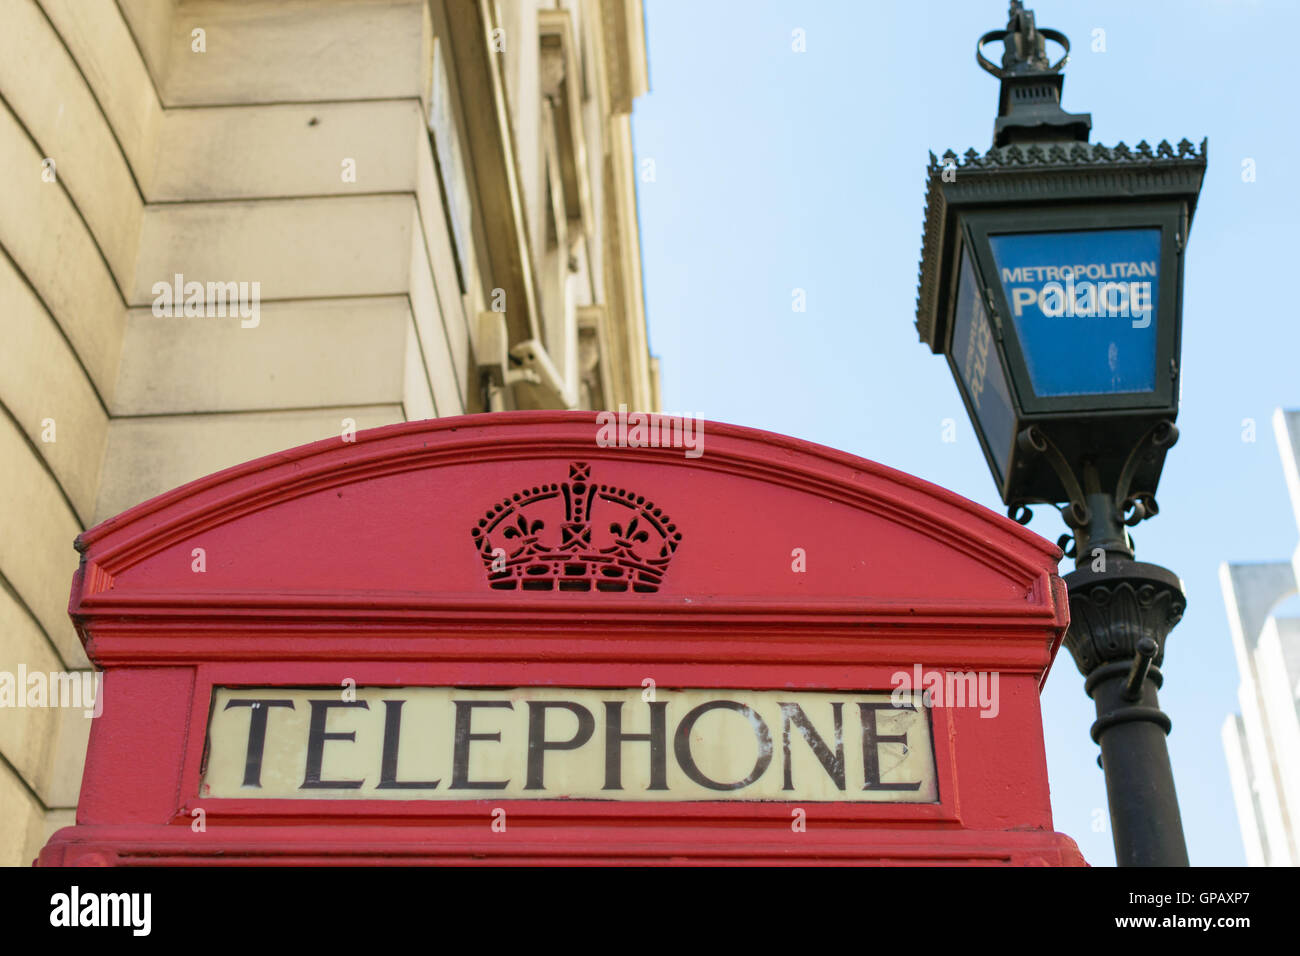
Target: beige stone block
<point>435,343</point>
<point>41,231</point>
<point>287,150</point>
<point>442,262</point>
<point>22,822</point>
<point>44,388</point>
<point>301,354</point>
<point>27,734</point>
<point>100,42</point>
<point>426,56</point>
<point>62,784</point>
<point>294,248</point>
<point>147,456</point>
<point>45,744</point>
<point>43,87</point>
<point>278,51</point>
<point>417,397</point>
<point>150,24</point>
<point>37,529</point>
<point>104,49</point>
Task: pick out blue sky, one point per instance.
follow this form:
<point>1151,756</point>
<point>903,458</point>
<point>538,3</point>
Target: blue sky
<point>776,170</point>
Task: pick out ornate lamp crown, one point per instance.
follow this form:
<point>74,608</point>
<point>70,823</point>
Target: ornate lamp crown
<point>547,538</point>
<point>1025,50</point>
<point>1029,101</point>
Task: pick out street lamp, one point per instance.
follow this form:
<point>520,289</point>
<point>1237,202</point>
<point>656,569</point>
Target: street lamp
<point>1051,280</point>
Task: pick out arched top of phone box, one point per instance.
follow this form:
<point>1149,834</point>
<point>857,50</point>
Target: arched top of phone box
<point>529,520</point>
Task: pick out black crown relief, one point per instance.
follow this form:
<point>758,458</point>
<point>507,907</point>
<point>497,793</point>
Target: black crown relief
<point>576,536</point>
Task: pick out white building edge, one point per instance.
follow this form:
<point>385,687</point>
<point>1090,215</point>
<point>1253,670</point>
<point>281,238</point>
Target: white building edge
<point>1263,743</point>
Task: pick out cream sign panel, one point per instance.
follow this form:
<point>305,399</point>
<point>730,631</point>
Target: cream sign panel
<point>452,743</point>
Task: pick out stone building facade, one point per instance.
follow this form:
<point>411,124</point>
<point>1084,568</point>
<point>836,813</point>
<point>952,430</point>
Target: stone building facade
<point>229,228</point>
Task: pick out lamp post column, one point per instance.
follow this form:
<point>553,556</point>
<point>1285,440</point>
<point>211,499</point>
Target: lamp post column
<point>1074,393</point>
<point>1121,614</point>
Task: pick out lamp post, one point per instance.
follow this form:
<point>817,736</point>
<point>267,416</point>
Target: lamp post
<point>1051,280</point>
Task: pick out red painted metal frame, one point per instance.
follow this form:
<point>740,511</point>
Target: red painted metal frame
<point>900,573</point>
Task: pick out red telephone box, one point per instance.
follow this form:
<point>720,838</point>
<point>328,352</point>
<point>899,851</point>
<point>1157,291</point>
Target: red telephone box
<point>546,638</point>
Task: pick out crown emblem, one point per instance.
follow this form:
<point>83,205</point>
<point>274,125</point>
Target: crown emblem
<point>576,536</point>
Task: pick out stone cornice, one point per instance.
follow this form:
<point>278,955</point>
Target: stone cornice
<point>491,152</point>
<point>625,56</point>
<point>559,54</point>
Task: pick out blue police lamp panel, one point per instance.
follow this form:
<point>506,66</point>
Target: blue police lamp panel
<point>981,371</point>
<point>1084,305</point>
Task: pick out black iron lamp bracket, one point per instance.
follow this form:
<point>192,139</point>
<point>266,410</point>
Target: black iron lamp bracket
<point>1136,507</point>
<point>1130,507</point>
<point>1075,513</point>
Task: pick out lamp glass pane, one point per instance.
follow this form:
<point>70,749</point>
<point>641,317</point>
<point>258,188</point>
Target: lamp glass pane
<point>976,359</point>
<point>1084,305</point>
